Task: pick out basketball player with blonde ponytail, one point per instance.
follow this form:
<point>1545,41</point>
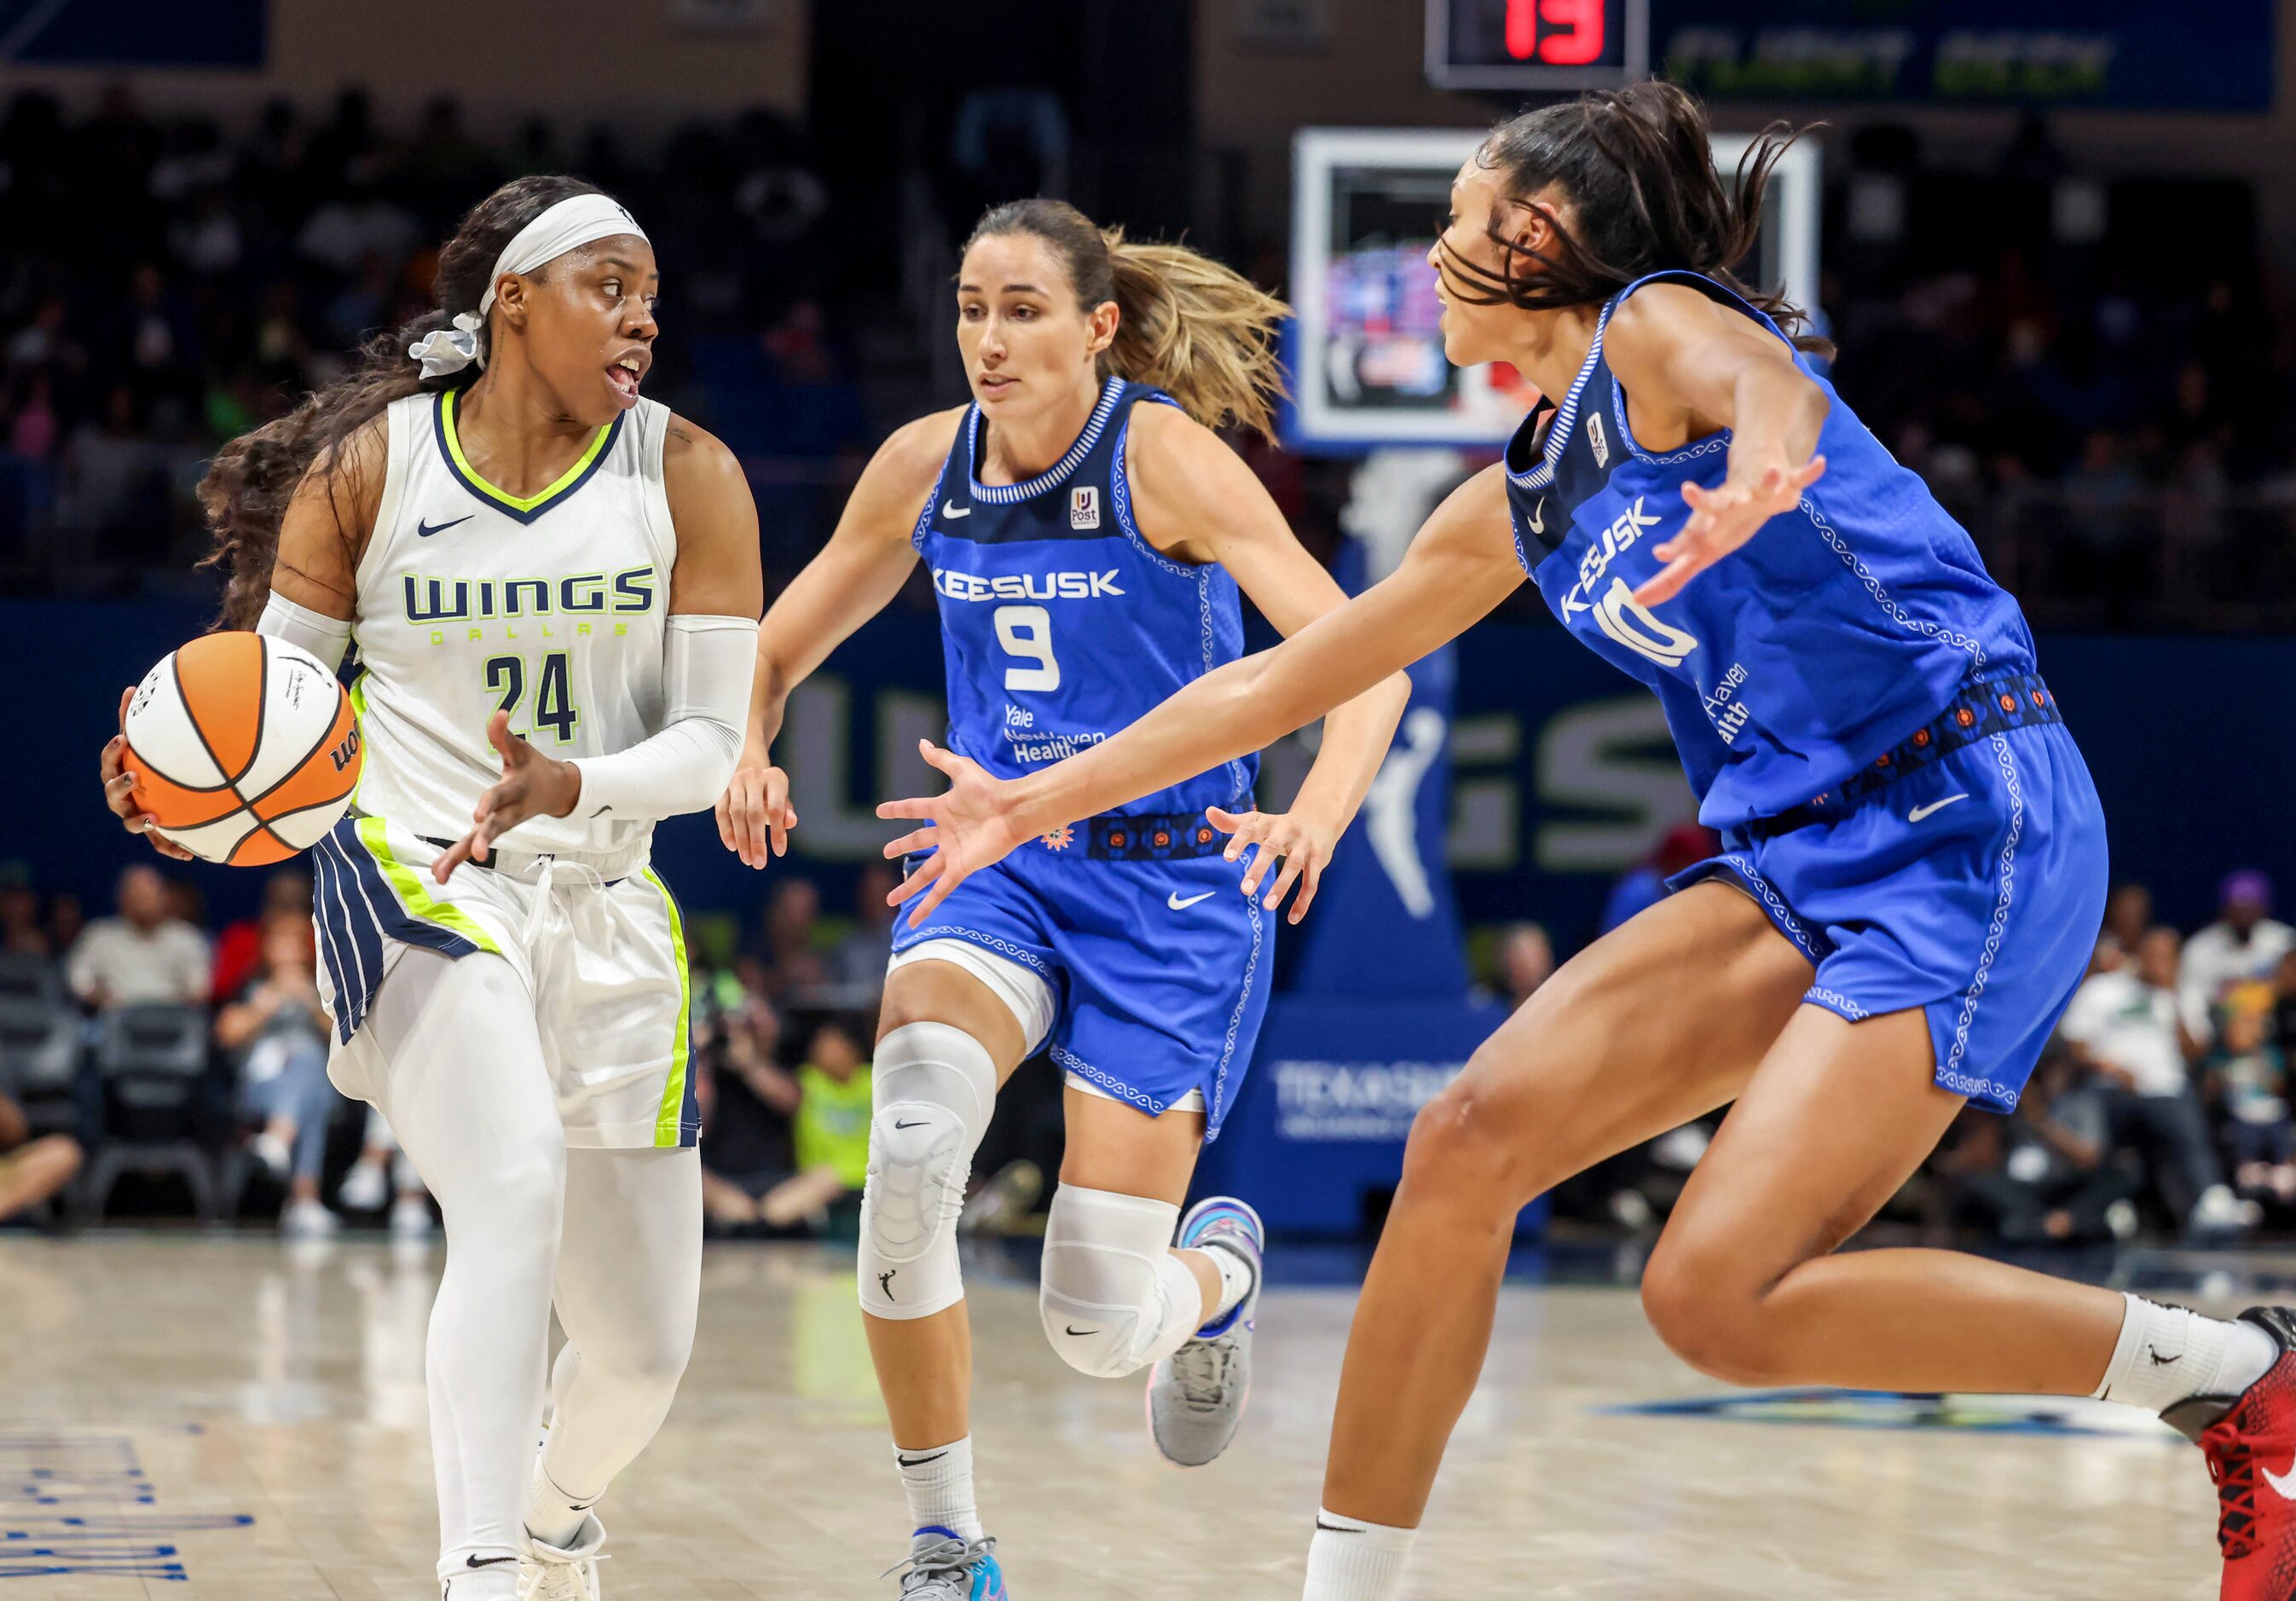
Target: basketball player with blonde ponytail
<point>1087,534</point>
<point>553,587</point>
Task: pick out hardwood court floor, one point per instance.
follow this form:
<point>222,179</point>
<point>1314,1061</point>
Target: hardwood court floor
<point>161,1389</point>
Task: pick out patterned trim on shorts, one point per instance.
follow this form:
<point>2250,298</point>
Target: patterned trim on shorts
<point>1216,1110</point>
<point>1067,1061</point>
<point>2008,871</point>
<point>1834,1001</point>
<point>1001,947</point>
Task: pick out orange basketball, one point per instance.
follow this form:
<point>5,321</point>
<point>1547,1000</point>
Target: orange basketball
<point>245,749</point>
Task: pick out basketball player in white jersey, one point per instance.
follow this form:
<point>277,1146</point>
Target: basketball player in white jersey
<point>554,586</point>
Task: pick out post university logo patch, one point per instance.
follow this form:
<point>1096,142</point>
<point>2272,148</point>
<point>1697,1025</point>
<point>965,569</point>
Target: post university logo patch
<point>1083,507</point>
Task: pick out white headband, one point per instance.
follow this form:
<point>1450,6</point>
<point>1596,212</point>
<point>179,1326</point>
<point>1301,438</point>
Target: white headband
<point>572,223</point>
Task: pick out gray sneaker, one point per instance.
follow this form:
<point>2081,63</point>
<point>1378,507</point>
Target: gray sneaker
<point>943,1567</point>
<point>1196,1395</point>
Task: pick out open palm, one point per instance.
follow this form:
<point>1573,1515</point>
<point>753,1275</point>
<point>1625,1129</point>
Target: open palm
<point>970,827</point>
<point>1722,520</point>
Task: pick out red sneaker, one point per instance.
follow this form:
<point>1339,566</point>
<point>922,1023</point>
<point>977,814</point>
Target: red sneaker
<point>2250,1441</point>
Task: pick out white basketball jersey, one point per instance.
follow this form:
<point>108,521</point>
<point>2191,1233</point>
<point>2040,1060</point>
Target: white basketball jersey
<point>549,606</point>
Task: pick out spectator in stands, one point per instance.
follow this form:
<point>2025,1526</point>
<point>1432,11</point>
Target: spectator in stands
<point>31,1169</point>
<point>20,933</point>
<point>830,1129</point>
<point>66,921</point>
<point>2047,1173</point>
<point>239,949</point>
<point>2244,943</point>
<point>273,1029</point>
<point>746,1100</point>
<point>793,963</point>
<point>1643,885</point>
<point>143,954</point>
<point>2127,913</point>
<point>2139,1032</point>
<point>2248,1077</point>
<point>861,955</point>
<point>1526,962</point>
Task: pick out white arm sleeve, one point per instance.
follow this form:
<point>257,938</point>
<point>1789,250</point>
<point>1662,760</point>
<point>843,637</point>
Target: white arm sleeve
<point>707,665</point>
<point>325,637</point>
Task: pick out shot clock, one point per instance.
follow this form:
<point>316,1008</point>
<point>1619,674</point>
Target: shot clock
<point>1537,43</point>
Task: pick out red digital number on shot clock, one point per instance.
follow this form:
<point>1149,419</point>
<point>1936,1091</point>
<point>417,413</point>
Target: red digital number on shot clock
<point>1563,33</point>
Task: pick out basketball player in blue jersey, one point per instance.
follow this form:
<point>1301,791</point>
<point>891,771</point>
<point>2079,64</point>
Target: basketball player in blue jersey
<point>1087,534</point>
<point>1912,877</point>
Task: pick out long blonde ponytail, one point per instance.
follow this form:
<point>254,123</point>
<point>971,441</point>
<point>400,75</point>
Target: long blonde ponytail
<point>1197,329</point>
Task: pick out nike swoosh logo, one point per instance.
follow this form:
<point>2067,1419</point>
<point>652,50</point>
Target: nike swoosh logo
<point>1919,812</point>
<point>1538,518</point>
<point>918,1461</point>
<point>423,531</point>
<point>948,509</point>
<point>1073,1329</point>
<point>1178,905</point>
<point>490,1562</point>
<point>918,1124</point>
<point>2283,1485</point>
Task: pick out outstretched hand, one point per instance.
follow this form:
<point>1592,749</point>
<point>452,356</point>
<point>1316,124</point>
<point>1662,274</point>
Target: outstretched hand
<point>1304,847</point>
<point>533,786</point>
<point>1722,520</point>
<point>968,827</point>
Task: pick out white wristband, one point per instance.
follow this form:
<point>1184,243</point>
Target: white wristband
<point>707,666</point>
<point>325,637</point>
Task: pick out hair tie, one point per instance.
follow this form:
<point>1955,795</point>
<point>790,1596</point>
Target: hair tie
<point>444,350</point>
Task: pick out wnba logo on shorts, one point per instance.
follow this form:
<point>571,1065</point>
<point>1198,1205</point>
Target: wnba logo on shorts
<point>1083,507</point>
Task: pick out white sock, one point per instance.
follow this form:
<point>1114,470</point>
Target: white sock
<point>553,1516</point>
<point>1236,1279</point>
<point>498,1583</point>
<point>939,1482</point>
<point>1351,1560</point>
<point>2167,1354</point>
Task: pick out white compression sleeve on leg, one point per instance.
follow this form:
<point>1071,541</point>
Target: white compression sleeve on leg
<point>325,637</point>
<point>1114,1298</point>
<point>934,1087</point>
<point>706,665</point>
<point>470,1099</point>
<point>629,1278</point>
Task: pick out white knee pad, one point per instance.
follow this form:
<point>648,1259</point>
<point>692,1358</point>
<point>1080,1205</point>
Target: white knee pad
<point>1114,1298</point>
<point>933,1089</point>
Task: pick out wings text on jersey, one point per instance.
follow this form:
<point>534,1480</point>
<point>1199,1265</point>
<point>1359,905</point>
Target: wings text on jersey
<point>433,600</point>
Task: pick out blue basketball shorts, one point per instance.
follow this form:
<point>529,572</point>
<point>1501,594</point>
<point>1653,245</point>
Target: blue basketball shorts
<point>1971,887</point>
<point>1159,968</point>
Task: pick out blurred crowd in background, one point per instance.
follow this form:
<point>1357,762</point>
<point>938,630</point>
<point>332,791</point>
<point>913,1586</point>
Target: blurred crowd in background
<point>2162,1110</point>
<point>2109,411</point>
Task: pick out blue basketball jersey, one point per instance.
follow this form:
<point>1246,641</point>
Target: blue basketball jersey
<point>1798,660</point>
<point>1060,624</point>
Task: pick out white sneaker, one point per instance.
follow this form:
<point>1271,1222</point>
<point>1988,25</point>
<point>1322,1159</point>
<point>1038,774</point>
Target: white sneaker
<point>307,1221</point>
<point>364,1189</point>
<point>273,1153</point>
<point>410,1219</point>
<point>567,1572</point>
<point>1196,1395</point>
<point>2220,1211</point>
